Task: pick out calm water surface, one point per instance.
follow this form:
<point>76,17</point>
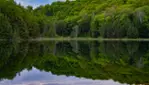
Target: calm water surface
<point>74,63</point>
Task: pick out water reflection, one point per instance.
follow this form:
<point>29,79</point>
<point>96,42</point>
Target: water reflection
<point>36,77</point>
<point>90,63</point>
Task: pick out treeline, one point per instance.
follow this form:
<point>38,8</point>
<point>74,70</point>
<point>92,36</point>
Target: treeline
<point>17,22</point>
<point>80,18</point>
<point>125,62</point>
<point>99,18</point>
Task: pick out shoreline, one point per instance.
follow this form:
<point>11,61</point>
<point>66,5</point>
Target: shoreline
<point>89,39</point>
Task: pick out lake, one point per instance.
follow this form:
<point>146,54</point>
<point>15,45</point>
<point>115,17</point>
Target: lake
<point>74,63</point>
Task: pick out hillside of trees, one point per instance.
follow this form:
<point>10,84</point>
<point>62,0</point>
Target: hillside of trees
<point>125,62</point>
<point>79,18</point>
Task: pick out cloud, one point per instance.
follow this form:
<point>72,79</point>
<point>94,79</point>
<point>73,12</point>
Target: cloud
<point>37,77</point>
<point>35,3</point>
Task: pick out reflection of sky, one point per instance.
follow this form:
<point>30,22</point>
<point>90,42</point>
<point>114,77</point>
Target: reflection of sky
<point>36,77</point>
<point>35,3</point>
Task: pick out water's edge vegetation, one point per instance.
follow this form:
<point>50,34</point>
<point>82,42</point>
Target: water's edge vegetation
<point>79,18</point>
<point>87,39</point>
<point>76,39</point>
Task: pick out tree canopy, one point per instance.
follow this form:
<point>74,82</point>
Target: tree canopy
<point>79,18</point>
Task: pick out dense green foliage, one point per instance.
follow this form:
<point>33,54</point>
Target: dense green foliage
<point>16,22</point>
<point>79,18</point>
<point>126,62</point>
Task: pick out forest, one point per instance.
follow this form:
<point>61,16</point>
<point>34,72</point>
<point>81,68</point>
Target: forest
<point>125,62</point>
<point>79,18</point>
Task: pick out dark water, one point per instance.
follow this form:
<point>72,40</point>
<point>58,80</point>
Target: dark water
<point>74,63</point>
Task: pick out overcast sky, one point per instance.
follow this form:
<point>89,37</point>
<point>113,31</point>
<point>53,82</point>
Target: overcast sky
<point>35,3</point>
